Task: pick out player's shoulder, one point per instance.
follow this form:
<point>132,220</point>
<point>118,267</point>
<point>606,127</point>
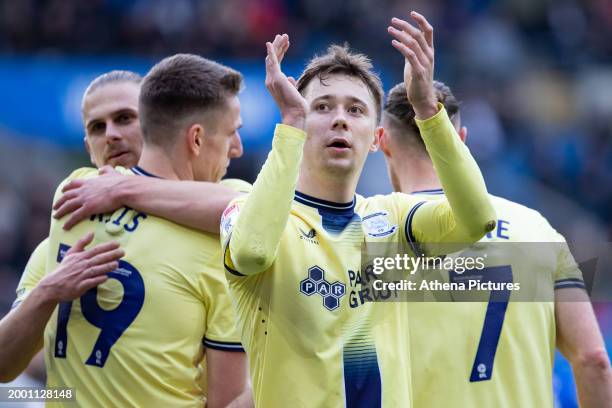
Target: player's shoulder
<point>386,202</point>
<point>237,184</point>
<point>527,216</point>
<point>505,206</point>
<point>82,173</point>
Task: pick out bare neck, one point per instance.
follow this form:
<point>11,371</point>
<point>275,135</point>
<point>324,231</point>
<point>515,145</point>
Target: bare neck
<point>416,174</point>
<point>336,188</point>
<point>162,163</point>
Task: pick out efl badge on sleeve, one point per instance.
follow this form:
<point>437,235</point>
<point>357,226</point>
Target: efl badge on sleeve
<point>228,219</point>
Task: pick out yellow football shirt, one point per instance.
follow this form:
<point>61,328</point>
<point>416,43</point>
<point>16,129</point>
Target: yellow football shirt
<point>314,336</point>
<point>309,323</point>
<point>137,340</point>
<point>475,354</point>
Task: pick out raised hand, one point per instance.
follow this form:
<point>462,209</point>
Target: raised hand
<point>292,105</point>
<point>83,198</point>
<point>82,269</point>
<point>416,45</point>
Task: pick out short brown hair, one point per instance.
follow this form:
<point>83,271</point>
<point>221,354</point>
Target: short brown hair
<point>178,87</point>
<point>400,114</point>
<point>340,60</point>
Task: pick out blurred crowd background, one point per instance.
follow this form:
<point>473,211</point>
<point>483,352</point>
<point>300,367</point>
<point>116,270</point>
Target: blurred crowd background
<point>534,78</point>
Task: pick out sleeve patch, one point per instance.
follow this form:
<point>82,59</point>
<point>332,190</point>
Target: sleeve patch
<point>228,218</point>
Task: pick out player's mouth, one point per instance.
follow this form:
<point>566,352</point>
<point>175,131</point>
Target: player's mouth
<point>118,155</point>
<point>339,144</point>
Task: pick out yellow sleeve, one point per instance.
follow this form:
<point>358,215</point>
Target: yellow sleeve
<point>221,331</point>
<point>466,213</point>
<point>33,272</point>
<point>568,274</point>
<point>251,238</point>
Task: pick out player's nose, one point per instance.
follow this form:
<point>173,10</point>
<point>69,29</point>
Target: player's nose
<point>113,132</point>
<point>236,149</point>
<point>339,121</point>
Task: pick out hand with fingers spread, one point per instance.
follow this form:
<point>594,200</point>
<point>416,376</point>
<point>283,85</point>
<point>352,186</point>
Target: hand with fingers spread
<point>292,105</point>
<point>83,198</point>
<point>81,269</point>
<point>416,45</point>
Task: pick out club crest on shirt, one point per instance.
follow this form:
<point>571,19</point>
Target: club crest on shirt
<point>229,218</point>
<point>377,225</point>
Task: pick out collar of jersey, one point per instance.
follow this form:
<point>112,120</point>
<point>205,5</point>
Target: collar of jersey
<point>141,172</point>
<point>323,204</point>
<point>434,191</point>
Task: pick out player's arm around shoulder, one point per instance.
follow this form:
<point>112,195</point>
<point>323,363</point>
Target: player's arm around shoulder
<point>194,204</point>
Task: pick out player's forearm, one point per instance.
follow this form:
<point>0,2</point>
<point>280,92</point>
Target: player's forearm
<point>194,204</point>
<point>580,341</point>
<point>21,333</point>
<point>472,211</point>
<point>594,379</point>
<point>262,220</point>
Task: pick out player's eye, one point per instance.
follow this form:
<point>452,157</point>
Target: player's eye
<point>124,118</point>
<point>97,127</point>
<point>355,110</point>
<point>322,107</point>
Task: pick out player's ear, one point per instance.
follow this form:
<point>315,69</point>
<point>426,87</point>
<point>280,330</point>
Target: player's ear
<point>195,136</point>
<point>376,141</point>
<point>88,150</point>
<point>463,133</point>
<point>384,143</point>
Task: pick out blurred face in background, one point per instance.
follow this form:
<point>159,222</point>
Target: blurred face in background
<point>341,125</point>
<point>219,143</point>
<point>112,128</point>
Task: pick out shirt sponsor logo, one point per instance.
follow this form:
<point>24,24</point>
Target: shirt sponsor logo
<point>377,225</point>
<point>315,283</point>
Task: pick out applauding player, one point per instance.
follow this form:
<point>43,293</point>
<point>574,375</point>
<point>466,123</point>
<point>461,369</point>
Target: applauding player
<point>293,257</point>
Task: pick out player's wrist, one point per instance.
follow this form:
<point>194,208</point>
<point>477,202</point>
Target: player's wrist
<point>296,119</point>
<point>426,109</point>
<point>45,294</point>
<point>124,192</point>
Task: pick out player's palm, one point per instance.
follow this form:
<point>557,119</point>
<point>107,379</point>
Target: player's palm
<point>291,103</point>
<point>418,84</point>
